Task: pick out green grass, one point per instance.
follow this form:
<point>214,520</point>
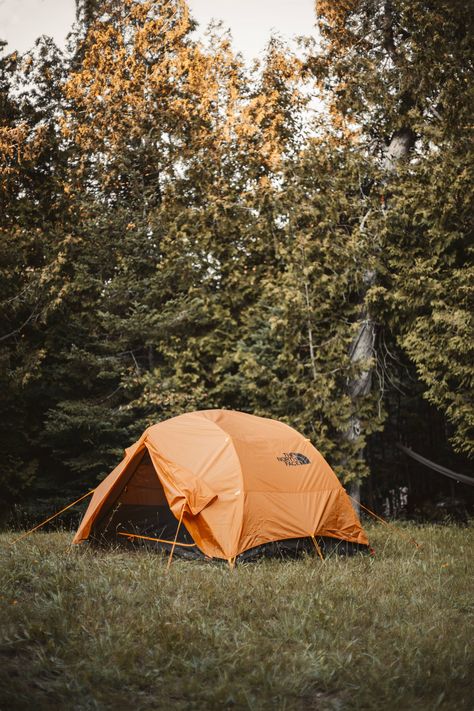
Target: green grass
<point>85,629</point>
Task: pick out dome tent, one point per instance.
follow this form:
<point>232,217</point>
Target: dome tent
<point>236,481</point>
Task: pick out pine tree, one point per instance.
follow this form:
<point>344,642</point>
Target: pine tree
<point>163,257</point>
<point>32,197</point>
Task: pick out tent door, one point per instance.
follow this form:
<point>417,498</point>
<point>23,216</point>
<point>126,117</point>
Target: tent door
<point>142,507</point>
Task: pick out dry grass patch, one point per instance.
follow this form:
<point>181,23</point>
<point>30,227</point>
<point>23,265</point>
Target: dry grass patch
<point>84,629</point>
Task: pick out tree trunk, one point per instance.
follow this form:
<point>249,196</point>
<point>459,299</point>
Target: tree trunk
<point>362,348</point>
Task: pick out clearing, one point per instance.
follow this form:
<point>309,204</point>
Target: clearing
<point>87,629</point>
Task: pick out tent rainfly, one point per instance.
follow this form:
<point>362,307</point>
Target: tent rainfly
<point>235,481</point>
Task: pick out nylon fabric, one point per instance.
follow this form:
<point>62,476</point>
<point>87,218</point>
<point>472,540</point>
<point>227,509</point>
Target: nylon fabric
<point>243,481</point>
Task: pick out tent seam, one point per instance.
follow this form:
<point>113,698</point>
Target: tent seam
<point>242,491</point>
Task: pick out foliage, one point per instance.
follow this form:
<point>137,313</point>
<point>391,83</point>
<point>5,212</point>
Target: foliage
<point>32,204</point>
<point>396,64</point>
<point>295,363</point>
<point>175,236</point>
<point>402,72</point>
<point>427,293</point>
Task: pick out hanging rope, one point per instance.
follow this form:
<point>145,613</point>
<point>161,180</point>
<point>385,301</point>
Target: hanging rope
<point>437,467</point>
<point>386,523</point>
<point>158,540</point>
<point>175,539</point>
<point>27,533</point>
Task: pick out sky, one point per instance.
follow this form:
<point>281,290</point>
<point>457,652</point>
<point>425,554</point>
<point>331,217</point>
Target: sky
<point>250,21</point>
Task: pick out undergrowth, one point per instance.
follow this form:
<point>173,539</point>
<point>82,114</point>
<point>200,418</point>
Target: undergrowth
<point>87,630</point>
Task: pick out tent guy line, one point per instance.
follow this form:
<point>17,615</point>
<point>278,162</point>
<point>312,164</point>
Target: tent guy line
<point>386,523</point>
<point>58,513</point>
<point>125,534</point>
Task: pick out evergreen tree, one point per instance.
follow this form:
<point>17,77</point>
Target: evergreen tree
<point>172,238</point>
<point>173,147</point>
<point>32,204</point>
<point>397,82</point>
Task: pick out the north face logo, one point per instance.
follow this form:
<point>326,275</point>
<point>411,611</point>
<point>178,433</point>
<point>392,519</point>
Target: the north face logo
<point>293,459</point>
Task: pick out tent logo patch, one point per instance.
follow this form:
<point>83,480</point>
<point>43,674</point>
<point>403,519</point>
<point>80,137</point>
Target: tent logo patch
<point>293,459</point>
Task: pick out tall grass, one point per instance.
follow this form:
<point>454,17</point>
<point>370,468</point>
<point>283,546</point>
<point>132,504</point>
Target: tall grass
<point>88,629</point>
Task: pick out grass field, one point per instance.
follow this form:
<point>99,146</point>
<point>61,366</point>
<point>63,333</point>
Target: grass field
<point>85,629</point>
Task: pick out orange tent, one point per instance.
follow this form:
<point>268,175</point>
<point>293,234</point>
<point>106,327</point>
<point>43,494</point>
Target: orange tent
<point>237,481</point>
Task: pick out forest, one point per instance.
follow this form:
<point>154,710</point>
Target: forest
<point>180,230</point>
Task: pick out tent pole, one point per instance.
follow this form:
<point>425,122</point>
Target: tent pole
<point>318,548</point>
<point>27,533</point>
<point>157,540</point>
<point>175,539</point>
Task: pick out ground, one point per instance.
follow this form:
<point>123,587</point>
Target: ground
<point>91,630</point>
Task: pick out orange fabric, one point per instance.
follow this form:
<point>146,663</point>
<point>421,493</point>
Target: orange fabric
<point>144,487</point>
<point>243,481</point>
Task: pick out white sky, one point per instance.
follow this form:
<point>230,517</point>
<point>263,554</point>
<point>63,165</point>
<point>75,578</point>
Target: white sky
<point>22,21</point>
<point>251,21</point>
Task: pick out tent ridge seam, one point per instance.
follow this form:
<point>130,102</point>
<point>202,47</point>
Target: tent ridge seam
<point>241,476</point>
